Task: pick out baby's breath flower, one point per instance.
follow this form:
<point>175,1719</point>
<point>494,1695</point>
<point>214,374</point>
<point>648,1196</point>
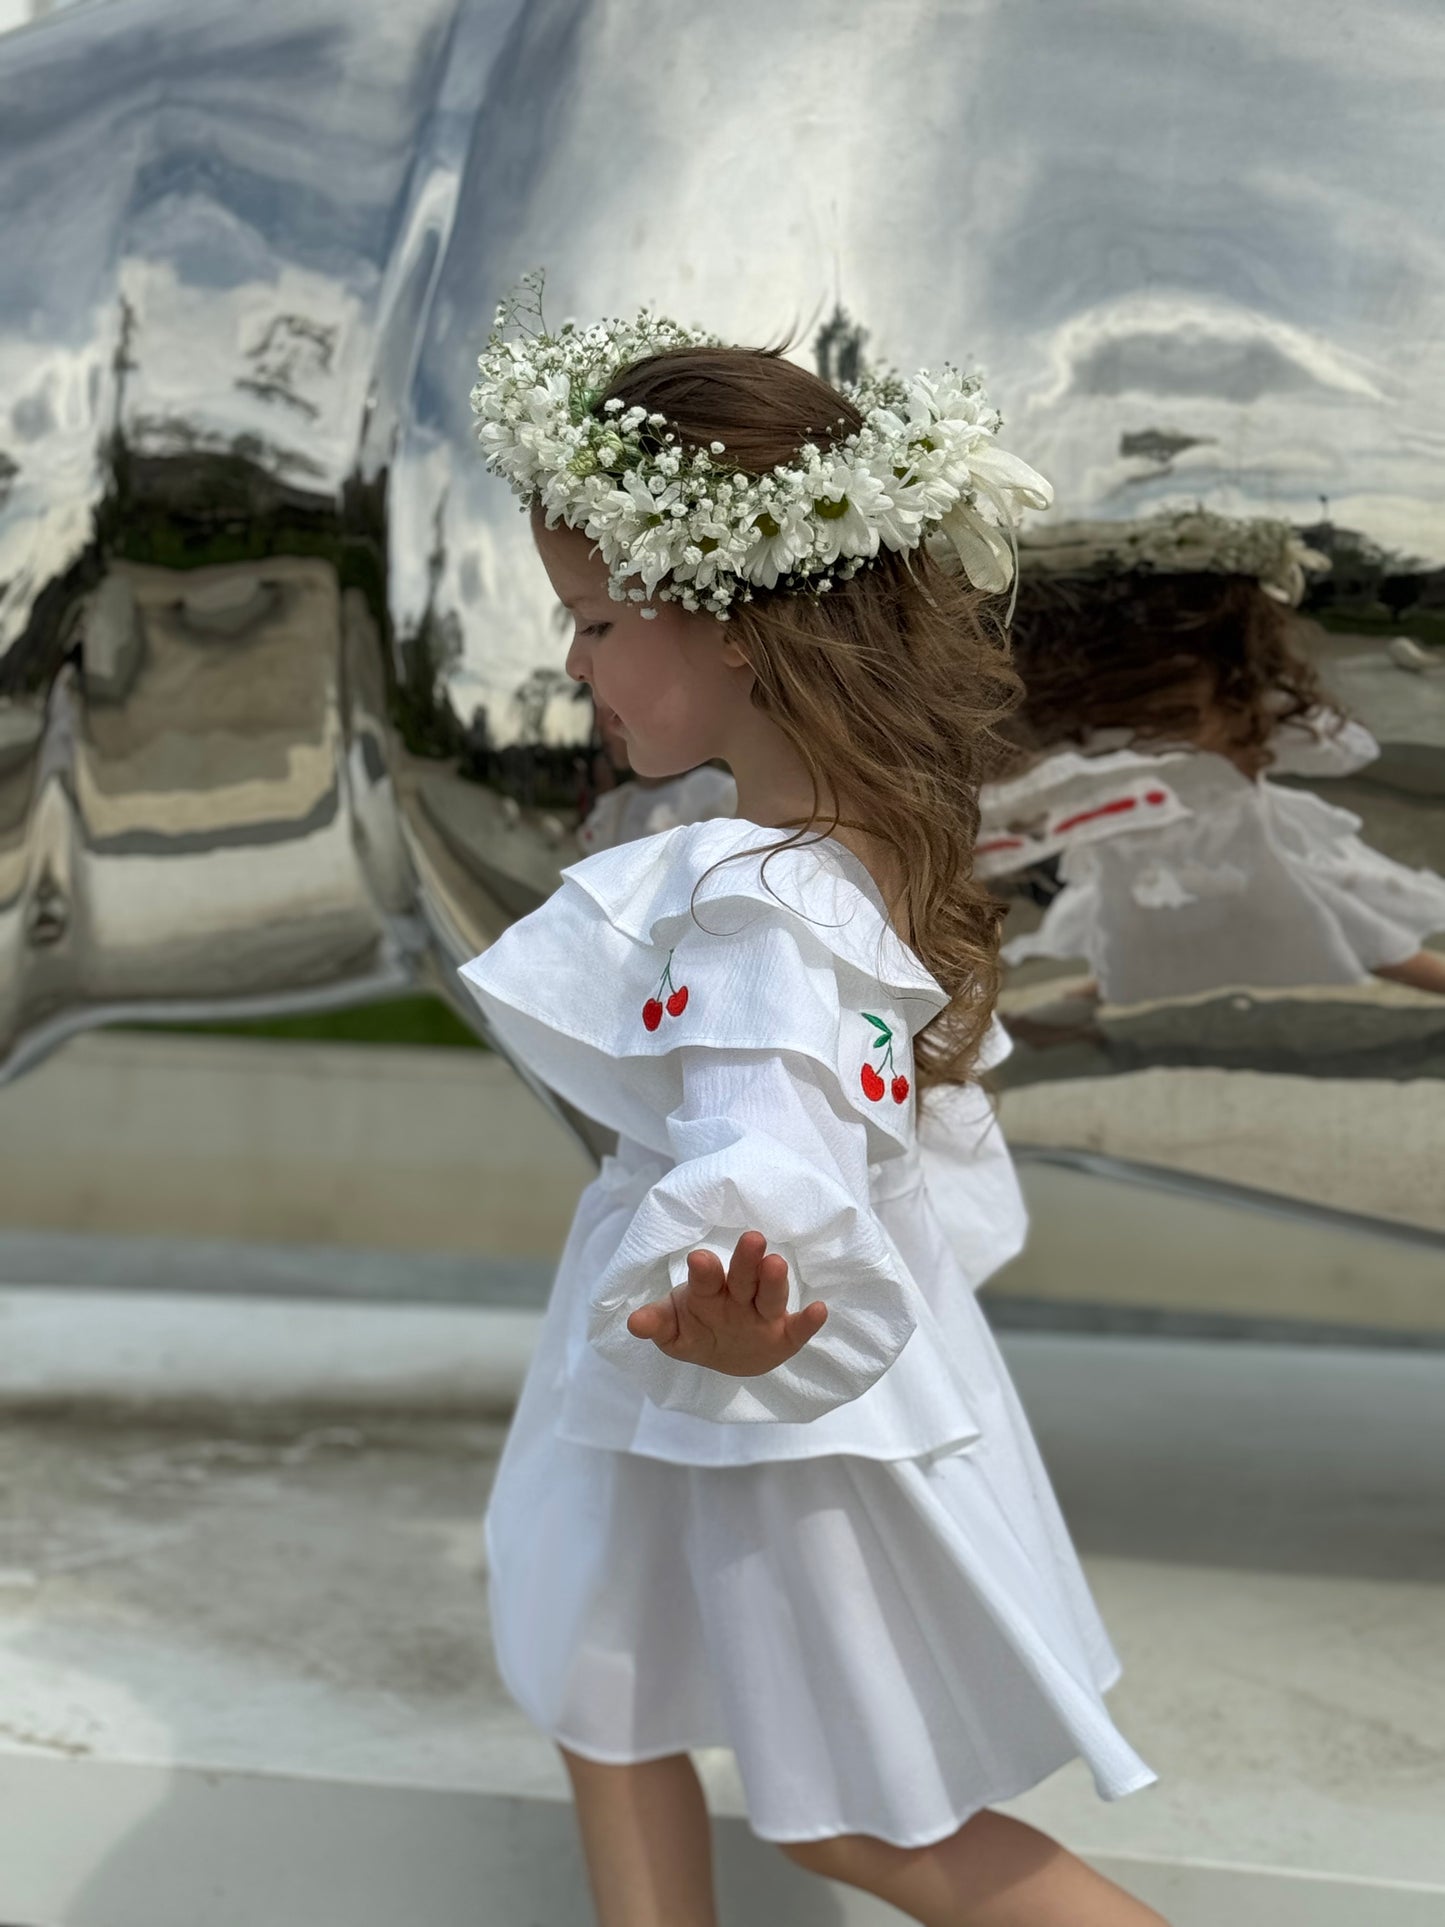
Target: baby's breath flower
<point>705,533</point>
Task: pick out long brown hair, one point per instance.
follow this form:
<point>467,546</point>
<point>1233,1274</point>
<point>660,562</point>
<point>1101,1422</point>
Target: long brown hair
<point>892,684</point>
<point>1196,656</point>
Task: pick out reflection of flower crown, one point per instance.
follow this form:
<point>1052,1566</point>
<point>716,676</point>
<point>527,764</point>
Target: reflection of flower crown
<point>1175,542</point>
<point>696,528</point>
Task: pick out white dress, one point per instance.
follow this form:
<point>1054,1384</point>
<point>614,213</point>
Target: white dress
<point>1182,875</point>
<point>852,1570</point>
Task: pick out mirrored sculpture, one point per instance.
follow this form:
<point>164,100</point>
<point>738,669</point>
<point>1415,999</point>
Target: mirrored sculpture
<point>283,719</point>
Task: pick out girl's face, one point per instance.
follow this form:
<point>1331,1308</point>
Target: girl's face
<point>676,685</point>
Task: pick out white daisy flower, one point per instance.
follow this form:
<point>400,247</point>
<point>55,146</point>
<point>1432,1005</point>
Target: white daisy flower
<point>782,538</point>
<point>925,464</point>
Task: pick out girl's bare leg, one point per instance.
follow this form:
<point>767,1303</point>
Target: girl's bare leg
<point>994,1872</point>
<point>1424,971</point>
<point>647,1840</point>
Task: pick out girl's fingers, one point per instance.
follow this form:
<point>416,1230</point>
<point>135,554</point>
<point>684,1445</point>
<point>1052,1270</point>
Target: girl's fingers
<point>705,1275</point>
<point>658,1321</point>
<point>772,1299</point>
<point>748,1255</point>
<point>801,1325</point>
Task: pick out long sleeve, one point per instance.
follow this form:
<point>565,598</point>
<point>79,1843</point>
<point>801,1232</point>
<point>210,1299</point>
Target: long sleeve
<point>761,1145</point>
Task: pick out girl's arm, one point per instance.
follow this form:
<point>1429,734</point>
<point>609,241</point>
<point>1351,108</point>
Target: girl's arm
<point>1321,743</point>
<point>766,1156</point>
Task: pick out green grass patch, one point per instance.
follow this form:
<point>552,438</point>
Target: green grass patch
<point>1424,625</point>
<point>424,1021</point>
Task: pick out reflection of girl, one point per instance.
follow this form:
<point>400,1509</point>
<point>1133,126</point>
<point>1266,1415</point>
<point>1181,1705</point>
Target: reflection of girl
<point>781,1500</point>
<point>1164,701</point>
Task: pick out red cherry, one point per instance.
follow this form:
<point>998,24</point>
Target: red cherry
<point>677,1002</point>
<point>652,1013</point>
<point>899,1088</point>
<point>872,1083</point>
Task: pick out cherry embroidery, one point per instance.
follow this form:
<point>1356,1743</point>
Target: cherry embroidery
<point>676,1004</point>
<point>873,1084</point>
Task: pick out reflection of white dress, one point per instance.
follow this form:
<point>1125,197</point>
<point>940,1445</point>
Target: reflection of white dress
<point>1207,878</point>
<point>642,809</point>
<point>852,1569</point>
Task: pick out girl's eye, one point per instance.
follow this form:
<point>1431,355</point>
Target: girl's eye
<point>597,629</point>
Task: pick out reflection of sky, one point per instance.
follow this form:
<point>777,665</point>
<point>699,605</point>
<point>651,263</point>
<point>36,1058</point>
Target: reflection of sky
<point>21,13</point>
<point>1199,220</point>
<point>245,179</point>
<point>1210,221</point>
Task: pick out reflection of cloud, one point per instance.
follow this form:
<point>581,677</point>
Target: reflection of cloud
<point>47,508</point>
<point>31,417</point>
<point>19,13</point>
<point>200,350</point>
<point>1183,344</point>
<point>1192,362</point>
<point>1275,416</point>
<point>190,349</point>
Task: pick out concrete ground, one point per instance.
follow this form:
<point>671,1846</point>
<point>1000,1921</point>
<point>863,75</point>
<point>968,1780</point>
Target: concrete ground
<point>246,1678</point>
<point>262,1308</point>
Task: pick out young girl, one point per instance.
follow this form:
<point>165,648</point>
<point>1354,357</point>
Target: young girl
<point>1163,692</point>
<point>768,1484</point>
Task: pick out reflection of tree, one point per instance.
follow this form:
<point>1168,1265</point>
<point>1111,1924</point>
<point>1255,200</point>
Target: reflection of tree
<point>478,748</point>
<point>838,348</point>
<point>113,448</point>
<point>428,653</point>
<point>173,435</point>
<point>533,696</point>
<point>1368,585</point>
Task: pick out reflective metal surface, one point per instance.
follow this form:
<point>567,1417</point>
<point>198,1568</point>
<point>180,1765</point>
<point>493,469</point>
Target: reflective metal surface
<point>283,721</point>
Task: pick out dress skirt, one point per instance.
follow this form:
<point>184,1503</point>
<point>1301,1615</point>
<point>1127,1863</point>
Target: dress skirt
<point>887,1646</point>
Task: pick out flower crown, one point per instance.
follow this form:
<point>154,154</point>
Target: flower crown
<point>1179,541</point>
<point>696,528</point>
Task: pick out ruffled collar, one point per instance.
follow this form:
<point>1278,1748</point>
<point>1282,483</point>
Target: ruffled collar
<point>645,889</point>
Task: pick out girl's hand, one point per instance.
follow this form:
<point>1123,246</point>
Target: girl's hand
<point>738,1324</point>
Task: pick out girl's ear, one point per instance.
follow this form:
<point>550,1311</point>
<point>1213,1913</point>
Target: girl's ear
<point>734,656</point>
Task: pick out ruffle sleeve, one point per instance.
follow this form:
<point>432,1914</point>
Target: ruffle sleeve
<point>755,1032</point>
<point>762,1145</point>
<point>1321,743</point>
<point>647,947</point>
<point>1068,801</point>
<point>972,1182</point>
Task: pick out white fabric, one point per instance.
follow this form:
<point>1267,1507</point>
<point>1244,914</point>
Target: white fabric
<point>853,1569</point>
<point>636,809</point>
<point>748,1111</point>
<point>887,1647</point>
<point>757,1141</point>
<point>1248,883</point>
<point>1068,800</point>
<point>1323,743</point>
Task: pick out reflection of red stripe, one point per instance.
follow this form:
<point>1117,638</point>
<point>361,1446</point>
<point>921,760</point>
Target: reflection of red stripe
<point>999,843</point>
<point>1119,807</point>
